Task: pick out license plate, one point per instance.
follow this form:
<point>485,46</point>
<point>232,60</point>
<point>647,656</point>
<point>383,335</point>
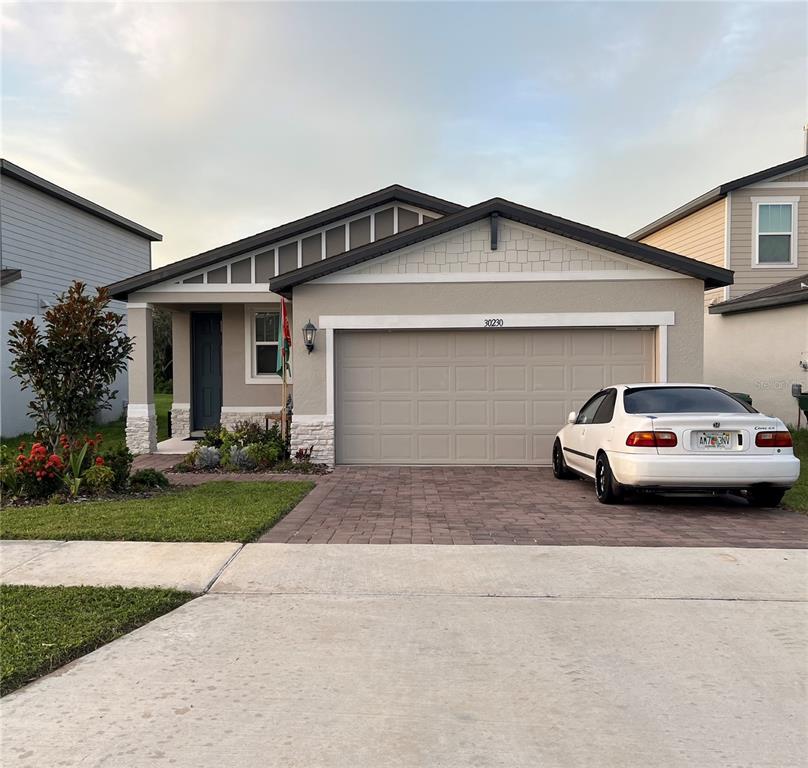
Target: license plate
<point>714,440</point>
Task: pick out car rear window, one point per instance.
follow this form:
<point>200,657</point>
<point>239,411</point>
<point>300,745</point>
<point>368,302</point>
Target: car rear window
<point>682,400</point>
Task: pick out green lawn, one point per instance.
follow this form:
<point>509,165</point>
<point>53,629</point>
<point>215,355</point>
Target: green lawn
<point>797,497</point>
<point>216,511</point>
<point>42,628</point>
<point>115,431</point>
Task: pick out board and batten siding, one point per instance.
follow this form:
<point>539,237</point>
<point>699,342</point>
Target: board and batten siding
<point>749,277</point>
<point>699,236</point>
<point>54,243</point>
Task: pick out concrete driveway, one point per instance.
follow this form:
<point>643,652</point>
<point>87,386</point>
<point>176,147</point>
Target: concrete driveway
<point>324,656</point>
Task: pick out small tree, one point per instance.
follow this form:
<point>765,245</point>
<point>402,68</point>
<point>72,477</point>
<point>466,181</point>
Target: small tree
<point>71,362</point>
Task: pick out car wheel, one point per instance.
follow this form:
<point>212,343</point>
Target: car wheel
<point>765,497</point>
<point>560,469</point>
<point>608,490</point>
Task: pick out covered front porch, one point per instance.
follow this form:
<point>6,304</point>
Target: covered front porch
<point>224,355</point>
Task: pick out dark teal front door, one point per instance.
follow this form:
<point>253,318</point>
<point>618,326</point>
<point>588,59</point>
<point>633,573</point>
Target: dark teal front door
<point>206,331</point>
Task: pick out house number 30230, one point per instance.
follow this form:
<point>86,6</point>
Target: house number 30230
<point>493,322</point>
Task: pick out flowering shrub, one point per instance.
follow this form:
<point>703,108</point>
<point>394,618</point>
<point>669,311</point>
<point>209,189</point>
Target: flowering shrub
<point>39,471</point>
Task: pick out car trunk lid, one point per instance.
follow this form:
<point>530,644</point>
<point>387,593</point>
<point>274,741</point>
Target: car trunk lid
<point>714,434</point>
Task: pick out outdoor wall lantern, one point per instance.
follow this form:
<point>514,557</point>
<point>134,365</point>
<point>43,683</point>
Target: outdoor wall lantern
<point>309,330</point>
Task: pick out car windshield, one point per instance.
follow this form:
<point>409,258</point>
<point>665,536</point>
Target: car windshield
<point>682,400</point>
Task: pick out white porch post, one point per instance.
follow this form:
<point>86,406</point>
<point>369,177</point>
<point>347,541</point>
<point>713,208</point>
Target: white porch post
<point>141,420</point>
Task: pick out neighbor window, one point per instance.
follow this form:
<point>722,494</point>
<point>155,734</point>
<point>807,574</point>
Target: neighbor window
<point>776,232</point>
<point>265,342</point>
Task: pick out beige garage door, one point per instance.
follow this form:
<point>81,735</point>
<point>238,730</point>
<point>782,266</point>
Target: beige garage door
<point>472,397</point>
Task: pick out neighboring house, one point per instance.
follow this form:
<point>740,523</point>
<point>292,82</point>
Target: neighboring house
<point>50,237</point>
<point>756,329</point>
<point>446,335</point>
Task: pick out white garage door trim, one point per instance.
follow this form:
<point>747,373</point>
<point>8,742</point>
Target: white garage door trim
<point>331,323</point>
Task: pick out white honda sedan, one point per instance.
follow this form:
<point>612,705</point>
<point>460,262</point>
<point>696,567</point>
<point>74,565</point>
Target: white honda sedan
<point>676,437</point>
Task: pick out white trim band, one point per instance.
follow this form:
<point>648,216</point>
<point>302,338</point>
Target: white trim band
<point>140,409</point>
<point>527,320</point>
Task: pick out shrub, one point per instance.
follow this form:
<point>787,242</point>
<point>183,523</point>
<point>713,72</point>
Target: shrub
<point>241,458</point>
<point>303,455</point>
<point>212,437</point>
<point>39,473</point>
<point>119,460</point>
<point>99,479</point>
<point>263,455</point>
<point>207,457</point>
<point>148,478</point>
<point>69,361</point>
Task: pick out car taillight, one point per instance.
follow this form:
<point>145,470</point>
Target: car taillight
<point>773,440</point>
<point>662,439</point>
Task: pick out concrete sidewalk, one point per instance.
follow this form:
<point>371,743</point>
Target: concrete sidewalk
<point>187,566</point>
<point>414,657</point>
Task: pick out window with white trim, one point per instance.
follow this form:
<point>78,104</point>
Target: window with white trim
<point>775,233</point>
<point>265,342</point>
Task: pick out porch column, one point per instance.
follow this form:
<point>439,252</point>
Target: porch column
<point>181,374</point>
<point>141,421</point>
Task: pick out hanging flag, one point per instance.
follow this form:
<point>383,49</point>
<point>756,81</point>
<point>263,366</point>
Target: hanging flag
<point>284,343</point>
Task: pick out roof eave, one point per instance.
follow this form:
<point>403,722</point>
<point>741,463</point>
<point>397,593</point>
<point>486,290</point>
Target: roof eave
<point>17,173</point>
<point>713,277</point>
<point>753,305</point>
<point>395,192</point>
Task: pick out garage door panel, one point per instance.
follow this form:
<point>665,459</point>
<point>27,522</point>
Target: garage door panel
<point>471,413</point>
<point>396,379</point>
<point>433,378</point>
<point>471,378</point>
<point>552,376</point>
<point>433,413</point>
<point>434,448</point>
<point>396,413</point>
<point>395,448</point>
<point>471,448</point>
<point>472,397</point>
<point>510,378</point>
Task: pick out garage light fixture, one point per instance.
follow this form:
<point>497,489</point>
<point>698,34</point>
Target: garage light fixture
<point>309,331</point>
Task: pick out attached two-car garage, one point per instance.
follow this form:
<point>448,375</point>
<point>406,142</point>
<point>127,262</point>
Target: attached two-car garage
<point>491,396</point>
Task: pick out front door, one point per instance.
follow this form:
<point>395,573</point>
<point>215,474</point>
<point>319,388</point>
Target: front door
<point>206,332</point>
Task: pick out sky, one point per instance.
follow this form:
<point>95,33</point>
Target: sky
<point>209,122</point>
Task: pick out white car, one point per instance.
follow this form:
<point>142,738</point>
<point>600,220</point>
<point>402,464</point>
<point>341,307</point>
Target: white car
<point>676,437</point>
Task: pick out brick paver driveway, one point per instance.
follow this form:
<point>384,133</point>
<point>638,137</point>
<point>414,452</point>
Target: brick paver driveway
<point>488,505</point>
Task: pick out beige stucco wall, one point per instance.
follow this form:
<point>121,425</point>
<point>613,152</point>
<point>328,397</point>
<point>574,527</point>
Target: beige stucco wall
<point>748,277</point>
<point>181,356</point>
<point>141,366</point>
<point>700,236</point>
<point>759,353</point>
<point>235,390</point>
<point>683,296</point>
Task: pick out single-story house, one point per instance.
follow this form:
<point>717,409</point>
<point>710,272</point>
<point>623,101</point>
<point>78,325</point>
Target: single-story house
<point>445,334</point>
<point>49,237</point>
<point>755,332</point>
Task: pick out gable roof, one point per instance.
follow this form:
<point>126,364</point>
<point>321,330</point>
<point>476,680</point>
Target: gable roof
<point>49,188</point>
<point>717,194</point>
<point>395,192</point>
<point>791,291</point>
<point>714,277</point>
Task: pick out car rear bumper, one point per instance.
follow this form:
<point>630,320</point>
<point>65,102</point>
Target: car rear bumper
<point>655,471</point>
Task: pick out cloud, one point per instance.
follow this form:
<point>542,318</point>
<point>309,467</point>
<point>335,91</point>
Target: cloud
<point>211,121</point>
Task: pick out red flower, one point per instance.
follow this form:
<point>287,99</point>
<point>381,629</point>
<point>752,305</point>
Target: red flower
<point>99,461</point>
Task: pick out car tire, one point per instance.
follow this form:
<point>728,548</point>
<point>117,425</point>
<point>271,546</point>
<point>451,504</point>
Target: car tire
<point>765,497</point>
<point>608,490</point>
<point>560,469</point>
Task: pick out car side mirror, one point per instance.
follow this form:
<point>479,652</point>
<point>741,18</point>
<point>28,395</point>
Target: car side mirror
<point>572,417</point>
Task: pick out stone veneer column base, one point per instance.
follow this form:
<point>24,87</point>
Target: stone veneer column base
<point>230,416</point>
<point>141,428</point>
<point>316,432</point>
<point>180,420</point>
